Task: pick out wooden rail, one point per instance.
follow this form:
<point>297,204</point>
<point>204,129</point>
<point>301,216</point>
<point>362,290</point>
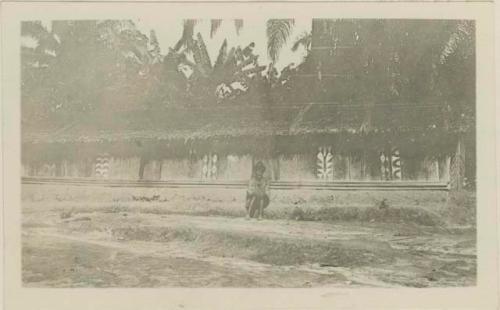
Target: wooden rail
<point>283,185</point>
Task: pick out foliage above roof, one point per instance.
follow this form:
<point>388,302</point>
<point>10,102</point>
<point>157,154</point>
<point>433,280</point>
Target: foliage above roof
<point>96,81</point>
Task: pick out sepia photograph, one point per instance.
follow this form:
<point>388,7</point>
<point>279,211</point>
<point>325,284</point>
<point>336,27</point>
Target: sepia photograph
<point>286,153</point>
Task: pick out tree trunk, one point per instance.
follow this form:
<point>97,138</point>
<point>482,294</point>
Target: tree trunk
<point>458,166</point>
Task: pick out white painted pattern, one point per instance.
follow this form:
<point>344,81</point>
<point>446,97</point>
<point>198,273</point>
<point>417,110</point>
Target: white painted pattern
<point>204,169</point>
<point>384,166</point>
<point>102,166</point>
<point>324,163</point>
<point>390,165</point>
<point>213,170</point>
<point>395,164</point>
<point>209,168</point>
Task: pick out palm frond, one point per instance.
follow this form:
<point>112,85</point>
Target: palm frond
<point>198,62</point>
<point>187,34</point>
<point>33,57</point>
<point>253,70</point>
<point>46,41</point>
<point>230,56</point>
<point>462,34</point>
<point>238,25</point>
<point>246,62</point>
<point>278,32</point>
<point>230,63</point>
<point>221,58</point>
<point>205,57</point>
<point>33,29</point>
<point>153,42</point>
<point>305,40</point>
<point>214,26</point>
<point>238,55</point>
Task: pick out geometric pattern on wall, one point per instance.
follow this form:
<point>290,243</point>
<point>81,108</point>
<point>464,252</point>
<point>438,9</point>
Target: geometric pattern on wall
<point>324,163</point>
<point>395,164</point>
<point>209,168</point>
<point>385,166</point>
<point>102,166</point>
<point>390,164</point>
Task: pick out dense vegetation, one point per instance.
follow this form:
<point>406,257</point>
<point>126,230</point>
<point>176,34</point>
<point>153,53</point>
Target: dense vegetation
<point>120,68</point>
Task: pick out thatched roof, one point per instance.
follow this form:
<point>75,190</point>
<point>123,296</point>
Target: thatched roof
<point>237,121</point>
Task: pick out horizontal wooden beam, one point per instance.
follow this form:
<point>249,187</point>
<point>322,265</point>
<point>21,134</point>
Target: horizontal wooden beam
<point>281,185</point>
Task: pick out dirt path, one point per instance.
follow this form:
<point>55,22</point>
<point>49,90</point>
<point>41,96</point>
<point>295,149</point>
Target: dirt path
<point>149,250</point>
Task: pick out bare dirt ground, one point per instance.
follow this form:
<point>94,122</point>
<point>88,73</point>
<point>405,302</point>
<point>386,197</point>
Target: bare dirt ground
<point>106,248</point>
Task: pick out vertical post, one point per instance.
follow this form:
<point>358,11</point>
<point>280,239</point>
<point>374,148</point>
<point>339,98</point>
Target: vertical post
<point>349,166</point>
<point>276,167</point>
<point>363,164</point>
<point>142,164</point>
<point>458,166</point>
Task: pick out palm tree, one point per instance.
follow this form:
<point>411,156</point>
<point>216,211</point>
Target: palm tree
<point>189,26</point>
<point>216,23</point>
<point>112,59</point>
<point>278,32</point>
<point>391,60</point>
<point>229,75</point>
<point>461,43</point>
<point>45,47</point>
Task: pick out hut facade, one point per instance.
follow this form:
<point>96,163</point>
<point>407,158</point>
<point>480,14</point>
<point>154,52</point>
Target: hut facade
<point>298,143</point>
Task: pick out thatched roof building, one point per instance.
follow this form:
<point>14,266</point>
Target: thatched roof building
<point>244,121</point>
<point>290,138</point>
<point>368,133</point>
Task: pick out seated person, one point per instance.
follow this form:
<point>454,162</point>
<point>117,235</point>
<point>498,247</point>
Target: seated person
<point>257,198</point>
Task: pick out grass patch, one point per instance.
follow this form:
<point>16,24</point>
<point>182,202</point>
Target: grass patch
<point>423,208</point>
<point>276,251</point>
<point>368,214</point>
<point>460,209</point>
